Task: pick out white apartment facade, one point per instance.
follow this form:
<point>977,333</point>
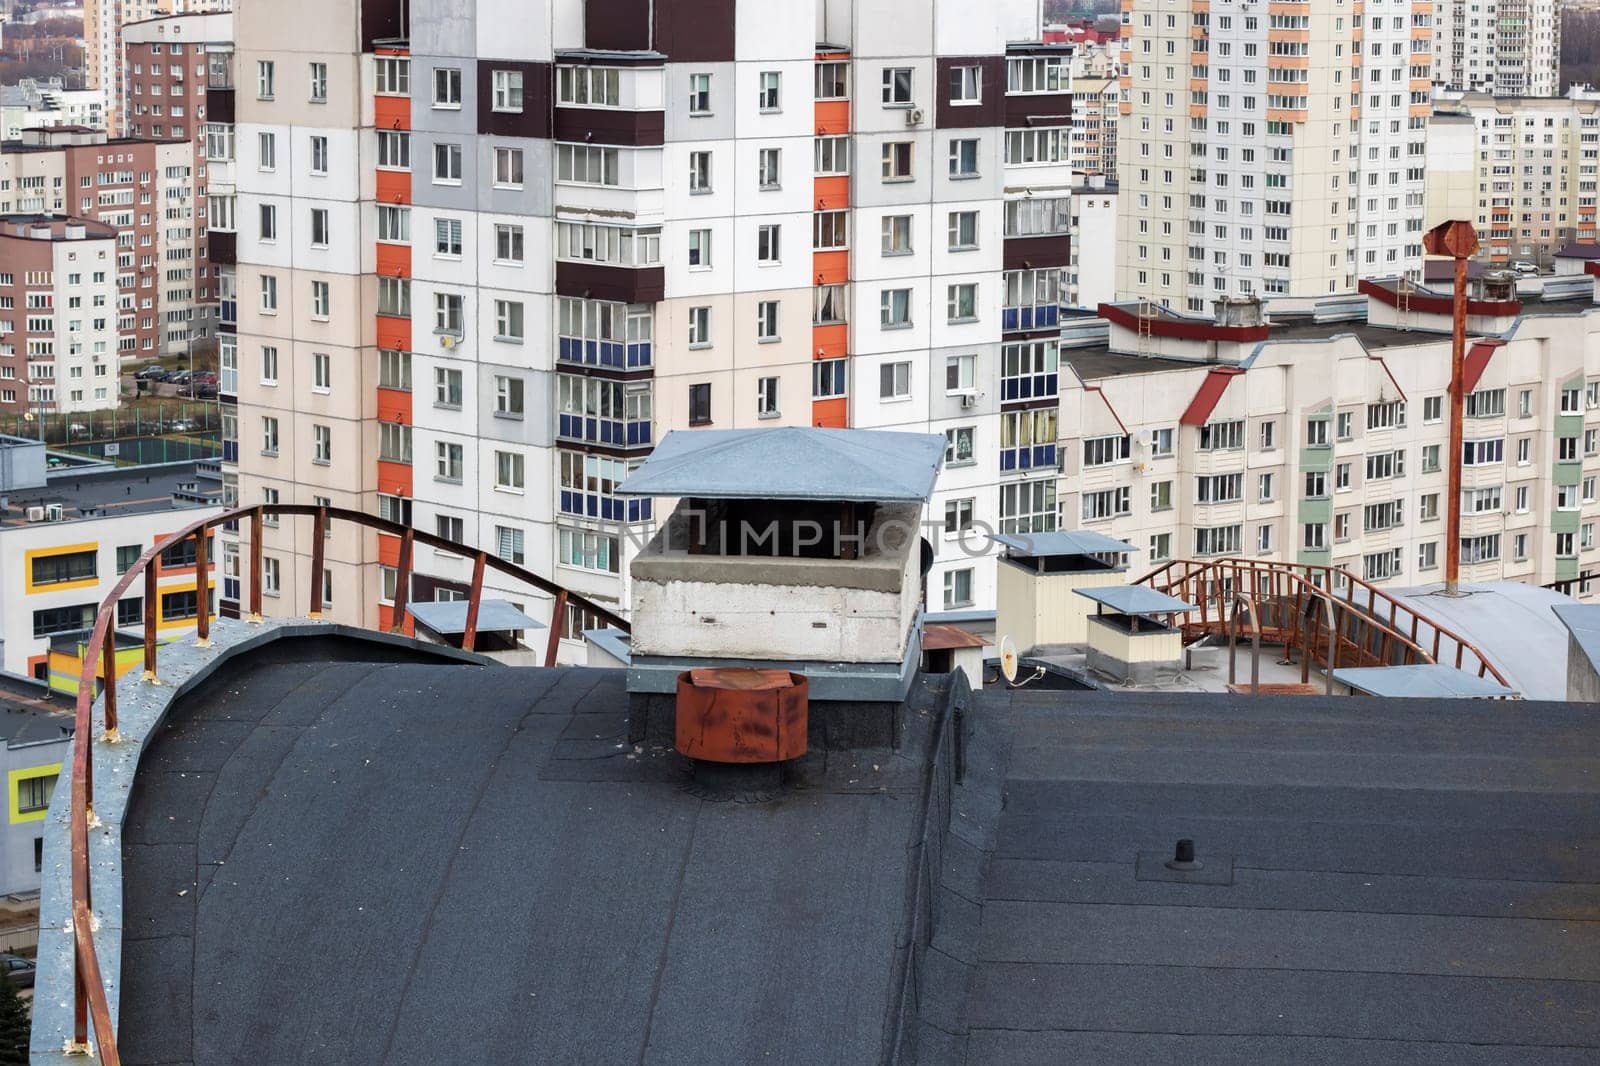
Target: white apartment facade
<point>1498,47</point>
<point>1273,152</point>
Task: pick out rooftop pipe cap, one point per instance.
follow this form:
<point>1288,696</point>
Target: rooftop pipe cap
<point>1183,858</point>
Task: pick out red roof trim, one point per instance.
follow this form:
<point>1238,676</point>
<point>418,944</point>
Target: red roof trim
<point>1435,304</point>
<point>1592,268</point>
<point>1183,329</point>
<point>1205,401</point>
<point>1476,363</point>
<point>1392,379</point>
<point>1107,401</point>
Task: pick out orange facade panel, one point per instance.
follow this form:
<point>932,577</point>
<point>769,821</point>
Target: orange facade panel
<point>394,187</point>
<point>394,260</point>
<point>832,116</point>
<point>1285,114</point>
<point>394,405</point>
<point>831,414</point>
<point>832,194</point>
<point>388,550</point>
<point>394,479</point>
<point>386,620</point>
<point>830,342</point>
<point>391,112</point>
<point>394,333</point>
<point>831,268</point>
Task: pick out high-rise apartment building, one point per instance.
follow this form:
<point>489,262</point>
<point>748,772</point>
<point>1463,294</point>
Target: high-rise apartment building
<point>1523,170</point>
<point>103,22</point>
<point>58,314</point>
<point>491,253</point>
<point>1270,151</point>
<point>1498,47</point>
<point>1096,109</point>
<point>144,188</point>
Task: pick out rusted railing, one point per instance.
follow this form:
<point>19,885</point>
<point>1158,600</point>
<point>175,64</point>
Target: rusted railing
<point>90,1004</point>
<point>1367,626</point>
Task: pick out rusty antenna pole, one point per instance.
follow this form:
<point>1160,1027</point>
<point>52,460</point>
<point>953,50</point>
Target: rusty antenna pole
<point>1459,241</point>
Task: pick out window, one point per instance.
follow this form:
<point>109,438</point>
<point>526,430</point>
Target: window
<point>958,516</point>
<point>508,397</point>
<point>769,175</point>
<point>1341,527</point>
<point>832,155</point>
<point>1160,547</point>
<point>394,76</point>
<point>447,88</point>
<point>897,86</point>
<point>448,313</point>
<point>961,303</point>
<point>771,90</point>
<point>1103,451</point>
<point>828,379</point>
<point>894,308</point>
<point>966,85</point>
<point>959,372</point>
<point>1485,403</point>
<point>1028,506</point>
<point>447,237</point>
<point>1380,566</point>
<point>394,224</point>
<point>699,94</point>
<point>1345,426</point>
<point>63,619</point>
<point>958,446</point>
<point>319,83</point>
<point>1433,409</point>
<point>700,248</point>
<point>1314,536</point>
<point>321,445</point>
<point>269,365</point>
<point>1161,496</point>
<point>394,150</point>
<point>1217,540</point>
<point>1265,488</point>
<point>831,84</point>
<point>509,471</point>
<point>964,157</point>
<point>1483,452</point>
<point>319,155</point>
<point>69,567</point>
<point>321,372</point>
<point>699,327</point>
<point>897,161</point>
<point>767,397</point>
<point>1046,75</point>
<point>1317,433</point>
<point>130,612</point>
<point>767,247</point>
<point>830,230</point>
<point>767,320</point>
<point>588,551</point>
<point>963,231</point>
<point>1524,451</point>
<point>127,555</point>
<point>508,320</point>
<point>33,793</point>
<point>508,244</point>
<point>1389,415</point>
<point>1571,401</point>
<point>1036,147</point>
<point>394,443</point>
<point>450,527</point>
<point>1264,540</point>
<point>446,387</point>
<point>447,164</point>
<point>1220,488</point>
<point>394,297</point>
<point>1222,436</point>
<point>321,300</point>
<point>1161,442</point>
<point>1566,449</point>
<point>269,222</point>
<point>266,79</point>
<point>700,405</point>
<point>271,576</point>
<point>1106,503</point>
<point>1482,549</point>
<point>1269,436</point>
<point>508,544</point>
<point>894,381</point>
<point>447,463</point>
<point>1377,517</point>
<point>896,234</point>
<point>269,435</point>
<point>1382,465</point>
<point>699,172</point>
<point>508,91</point>
<point>508,168</point>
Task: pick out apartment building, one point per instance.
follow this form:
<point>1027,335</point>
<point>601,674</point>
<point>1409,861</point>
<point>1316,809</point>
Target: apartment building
<point>144,188</point>
<point>103,24</point>
<point>636,221</point>
<point>1523,169</point>
<point>1091,278</point>
<point>1272,151</point>
<point>58,315</point>
<point>31,103</point>
<point>1498,47</point>
<point>1096,108</point>
<point>1327,441</point>
<point>37,740</point>
<point>179,77</point>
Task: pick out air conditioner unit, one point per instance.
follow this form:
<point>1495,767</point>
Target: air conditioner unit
<point>36,514</point>
<point>969,400</point>
<point>52,512</point>
<point>914,116</point>
<point>447,342</point>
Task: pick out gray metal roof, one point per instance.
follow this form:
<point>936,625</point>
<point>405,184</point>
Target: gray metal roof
<point>1135,599</point>
<point>450,617</point>
<point>1511,623</point>
<point>1421,680</point>
<point>791,463</point>
<point>1078,542</point>
<point>1583,622</point>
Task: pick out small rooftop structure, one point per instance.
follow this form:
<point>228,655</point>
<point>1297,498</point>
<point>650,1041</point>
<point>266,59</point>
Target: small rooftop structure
<point>1136,601</point>
<point>448,618</point>
<point>1064,548</point>
<point>1437,681</point>
<point>1131,643</point>
<point>791,463</point>
<point>1036,576</point>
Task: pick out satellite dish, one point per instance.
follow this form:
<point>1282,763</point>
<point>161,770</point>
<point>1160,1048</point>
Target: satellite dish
<point>1008,660</point>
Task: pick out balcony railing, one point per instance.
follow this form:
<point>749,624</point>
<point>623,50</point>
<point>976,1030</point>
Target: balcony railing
<point>91,1006</point>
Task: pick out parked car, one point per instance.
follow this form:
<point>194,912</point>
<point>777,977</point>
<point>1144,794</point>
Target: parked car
<point>204,390</point>
<point>205,377</point>
<point>182,425</point>
<point>181,377</point>
<point>151,373</point>
<point>1522,266</point>
<point>18,969</point>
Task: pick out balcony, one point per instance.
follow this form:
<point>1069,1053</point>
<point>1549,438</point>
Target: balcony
<point>1027,458</point>
<point>608,508</point>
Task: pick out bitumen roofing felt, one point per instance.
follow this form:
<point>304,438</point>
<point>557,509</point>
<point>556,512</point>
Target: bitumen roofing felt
<point>391,863</point>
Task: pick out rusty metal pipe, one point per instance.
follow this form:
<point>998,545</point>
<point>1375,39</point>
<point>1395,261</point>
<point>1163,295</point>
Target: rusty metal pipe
<point>1459,241</point>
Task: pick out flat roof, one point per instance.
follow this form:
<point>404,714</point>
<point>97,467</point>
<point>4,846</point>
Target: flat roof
<point>1136,600</point>
<point>1097,361</point>
<point>1421,680</point>
<point>111,491</point>
<point>449,617</point>
<point>1062,542</point>
<point>484,861</point>
<point>790,463</point>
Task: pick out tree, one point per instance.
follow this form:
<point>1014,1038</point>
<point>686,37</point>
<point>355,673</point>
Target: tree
<point>14,1026</point>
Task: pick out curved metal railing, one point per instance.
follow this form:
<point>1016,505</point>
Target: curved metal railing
<point>1371,624</point>
<point>90,1003</point>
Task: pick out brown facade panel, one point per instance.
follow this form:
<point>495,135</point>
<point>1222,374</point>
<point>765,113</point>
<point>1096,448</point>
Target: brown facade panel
<point>695,31</point>
<point>219,105</point>
<point>593,281</point>
<point>382,20</point>
<point>534,118</point>
<point>610,126</point>
<point>617,25</point>
<point>223,247</point>
<point>991,92</point>
<point>1034,253</point>
<point>1038,109</point>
